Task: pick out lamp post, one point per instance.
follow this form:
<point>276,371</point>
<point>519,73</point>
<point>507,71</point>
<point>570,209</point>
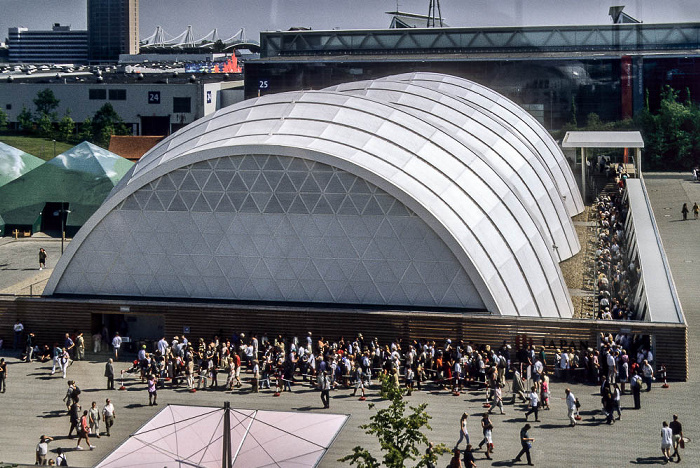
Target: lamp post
<point>62,213</point>
<point>54,148</point>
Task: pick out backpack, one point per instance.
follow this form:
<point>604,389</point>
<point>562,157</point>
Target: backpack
<point>76,391</point>
<point>61,460</point>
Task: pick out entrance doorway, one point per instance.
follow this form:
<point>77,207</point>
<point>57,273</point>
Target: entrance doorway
<point>135,330</point>
<point>155,125</point>
<point>53,217</point>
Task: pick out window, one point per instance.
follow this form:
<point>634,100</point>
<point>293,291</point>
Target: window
<point>8,106</point>
<point>98,94</point>
<point>182,105</point>
<point>117,95</point>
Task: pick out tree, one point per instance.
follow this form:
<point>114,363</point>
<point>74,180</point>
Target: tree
<point>400,435</point>
<point>45,126</point>
<point>85,131</point>
<point>218,46</point>
<point>24,119</point>
<point>3,120</point>
<point>46,103</point>
<point>105,123</point>
<point>66,127</point>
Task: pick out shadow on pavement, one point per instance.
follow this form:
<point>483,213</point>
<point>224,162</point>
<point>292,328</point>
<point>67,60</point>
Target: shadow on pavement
<point>52,414</point>
<point>648,461</point>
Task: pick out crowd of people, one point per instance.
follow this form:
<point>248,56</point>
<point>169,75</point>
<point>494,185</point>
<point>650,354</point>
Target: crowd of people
<point>282,363</point>
<point>616,274</point>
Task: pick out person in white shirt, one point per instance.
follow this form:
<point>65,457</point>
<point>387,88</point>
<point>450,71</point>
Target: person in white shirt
<point>163,346</point>
<point>18,329</point>
<point>666,441</point>
<point>108,415</point>
<point>534,404</point>
<point>571,406</point>
<point>116,344</point>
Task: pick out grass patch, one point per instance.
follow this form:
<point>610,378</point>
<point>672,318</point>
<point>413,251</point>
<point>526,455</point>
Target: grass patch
<point>39,147</point>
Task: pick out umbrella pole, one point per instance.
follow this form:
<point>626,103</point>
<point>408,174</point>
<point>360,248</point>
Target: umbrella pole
<point>226,459</point>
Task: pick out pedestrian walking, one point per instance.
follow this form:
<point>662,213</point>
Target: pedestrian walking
<point>152,393</point>
<point>463,431</point>
<point>648,374</point>
<point>29,349</point>
<point>116,344</point>
<point>108,416</point>
<point>469,461</point>
<point>571,407</point>
<point>65,361</point>
<point>94,419</point>
<point>616,397</point>
<point>84,431</point>
<point>696,210</point>
<point>70,392</point>
<point>666,441</point>
<point>74,414</point>
<point>684,211</point>
<point>3,375</point>
<point>57,355</point>
<point>18,329</point>
<point>109,373</point>
<point>526,443</point>
<point>534,404</point>
<point>42,449</point>
<point>42,258</point>
<point>677,431</point>
<point>79,347</point>
<point>636,386</point>
<point>325,389</point>
<point>497,398</point>
<point>61,459</point>
<point>487,429</point>
<point>455,462</point>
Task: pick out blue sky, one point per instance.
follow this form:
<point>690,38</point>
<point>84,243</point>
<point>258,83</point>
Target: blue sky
<point>256,15</point>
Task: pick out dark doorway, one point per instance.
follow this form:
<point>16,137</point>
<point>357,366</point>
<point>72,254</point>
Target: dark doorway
<point>135,329</point>
<point>155,125</point>
<point>53,217</point>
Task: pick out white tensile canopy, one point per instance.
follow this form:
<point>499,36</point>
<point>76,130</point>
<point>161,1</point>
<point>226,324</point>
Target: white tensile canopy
<point>194,436</point>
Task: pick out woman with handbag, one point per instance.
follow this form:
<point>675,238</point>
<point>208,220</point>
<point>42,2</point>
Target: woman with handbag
<point>84,431</point>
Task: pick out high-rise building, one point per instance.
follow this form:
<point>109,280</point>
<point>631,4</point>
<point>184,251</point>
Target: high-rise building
<point>113,29</point>
<point>58,45</point>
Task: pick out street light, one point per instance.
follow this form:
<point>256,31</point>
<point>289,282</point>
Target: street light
<point>62,212</point>
<point>54,148</point>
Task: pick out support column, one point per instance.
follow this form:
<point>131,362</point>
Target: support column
<point>583,174</point>
<point>639,162</point>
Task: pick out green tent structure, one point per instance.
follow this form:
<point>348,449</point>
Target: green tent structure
<point>15,162</point>
<point>67,189</point>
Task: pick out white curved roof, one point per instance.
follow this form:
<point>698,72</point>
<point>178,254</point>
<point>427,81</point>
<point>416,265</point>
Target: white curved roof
<point>494,143</point>
<point>522,121</point>
<point>469,206</point>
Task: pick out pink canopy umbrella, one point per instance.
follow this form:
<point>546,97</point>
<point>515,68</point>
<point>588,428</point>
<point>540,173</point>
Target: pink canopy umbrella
<point>195,436</point>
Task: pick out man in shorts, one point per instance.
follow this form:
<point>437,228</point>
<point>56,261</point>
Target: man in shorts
<point>677,431</point>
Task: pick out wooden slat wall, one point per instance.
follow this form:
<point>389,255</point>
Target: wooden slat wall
<point>51,318</point>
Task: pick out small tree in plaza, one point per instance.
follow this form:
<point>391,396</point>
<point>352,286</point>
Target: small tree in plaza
<point>399,430</point>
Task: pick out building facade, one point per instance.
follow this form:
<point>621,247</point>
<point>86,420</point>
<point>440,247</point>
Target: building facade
<point>58,45</point>
<point>556,72</point>
<point>149,106</point>
<point>113,29</point>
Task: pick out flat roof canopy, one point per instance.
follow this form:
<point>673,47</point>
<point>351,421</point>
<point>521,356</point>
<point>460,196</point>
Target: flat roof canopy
<point>603,140</point>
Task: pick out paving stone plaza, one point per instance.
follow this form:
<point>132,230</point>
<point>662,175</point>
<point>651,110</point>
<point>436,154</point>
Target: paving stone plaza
<point>32,405</point>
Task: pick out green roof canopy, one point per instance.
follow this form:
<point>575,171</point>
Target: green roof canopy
<point>82,177</point>
<point>15,162</point>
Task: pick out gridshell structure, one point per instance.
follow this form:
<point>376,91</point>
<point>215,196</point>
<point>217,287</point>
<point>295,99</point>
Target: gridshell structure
<point>322,197</point>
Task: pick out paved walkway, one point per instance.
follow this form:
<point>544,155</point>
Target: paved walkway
<point>32,406</point>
